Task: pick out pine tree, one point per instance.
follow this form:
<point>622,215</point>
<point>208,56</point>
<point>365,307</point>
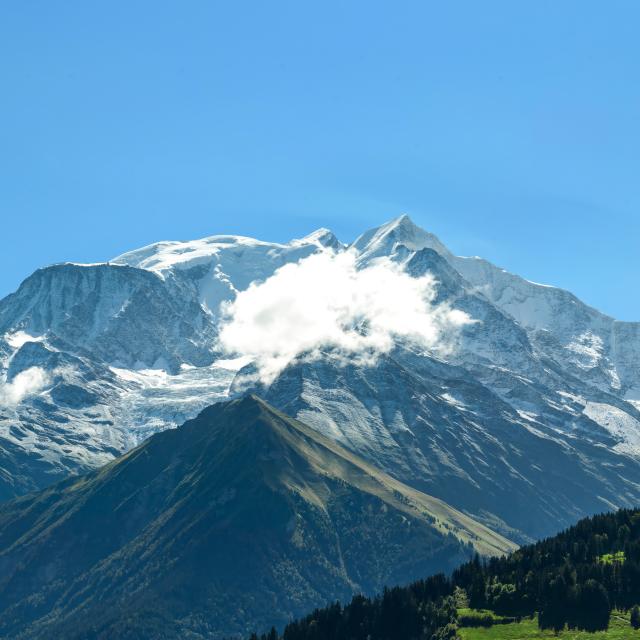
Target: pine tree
<point>635,617</point>
<point>593,609</point>
<point>555,607</point>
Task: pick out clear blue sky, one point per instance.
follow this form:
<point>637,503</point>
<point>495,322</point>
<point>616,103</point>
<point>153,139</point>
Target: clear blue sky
<point>510,129</point>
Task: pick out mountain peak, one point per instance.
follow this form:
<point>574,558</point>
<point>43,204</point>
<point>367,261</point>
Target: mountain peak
<point>402,230</point>
<point>322,237</point>
<point>401,220</point>
<point>244,405</point>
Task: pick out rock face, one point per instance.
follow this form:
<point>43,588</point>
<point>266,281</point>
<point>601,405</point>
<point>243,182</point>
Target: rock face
<point>124,316</point>
<point>532,422</point>
<point>239,519</point>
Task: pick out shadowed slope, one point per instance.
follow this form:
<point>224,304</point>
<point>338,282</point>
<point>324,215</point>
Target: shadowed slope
<point>239,519</point>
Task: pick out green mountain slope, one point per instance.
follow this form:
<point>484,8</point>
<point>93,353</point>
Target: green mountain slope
<point>239,519</point>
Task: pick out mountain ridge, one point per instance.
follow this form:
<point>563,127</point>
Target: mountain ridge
<point>538,377</point>
<point>239,502</point>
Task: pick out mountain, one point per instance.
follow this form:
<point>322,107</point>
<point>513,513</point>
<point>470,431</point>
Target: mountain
<point>508,428</point>
<point>239,519</point>
<point>436,428</point>
<point>532,422</point>
<point>118,351</point>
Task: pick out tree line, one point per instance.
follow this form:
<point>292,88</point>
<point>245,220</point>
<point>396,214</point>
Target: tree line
<point>573,579</point>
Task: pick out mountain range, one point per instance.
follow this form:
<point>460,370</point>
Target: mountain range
<point>240,519</point>
<point>530,423</point>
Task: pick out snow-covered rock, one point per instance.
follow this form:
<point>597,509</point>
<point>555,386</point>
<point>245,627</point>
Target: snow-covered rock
<point>220,266</point>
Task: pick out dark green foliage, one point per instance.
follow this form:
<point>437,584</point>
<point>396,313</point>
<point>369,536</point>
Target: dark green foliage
<point>592,608</point>
<point>485,619</point>
<point>502,598</point>
<point>448,632</point>
<point>635,617</point>
<point>555,603</point>
<point>416,612</point>
<point>563,578</point>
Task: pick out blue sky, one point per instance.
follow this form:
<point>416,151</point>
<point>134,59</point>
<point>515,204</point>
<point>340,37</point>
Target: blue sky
<point>510,129</point>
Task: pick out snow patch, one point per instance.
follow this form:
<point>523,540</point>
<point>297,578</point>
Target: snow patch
<point>19,338</point>
<point>619,424</point>
<point>587,349</point>
<point>143,377</point>
<point>448,398</point>
<point>528,415</point>
<point>233,364</point>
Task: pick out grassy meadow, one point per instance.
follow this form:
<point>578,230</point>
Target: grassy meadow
<point>619,629</point>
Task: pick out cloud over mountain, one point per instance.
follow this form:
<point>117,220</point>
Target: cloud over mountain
<point>325,301</point>
<point>27,382</point>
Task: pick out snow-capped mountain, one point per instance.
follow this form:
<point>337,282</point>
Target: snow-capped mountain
<point>220,266</point>
<point>94,358</point>
<point>531,422</point>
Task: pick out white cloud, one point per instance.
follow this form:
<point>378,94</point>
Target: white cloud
<point>26,383</point>
<point>324,301</point>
